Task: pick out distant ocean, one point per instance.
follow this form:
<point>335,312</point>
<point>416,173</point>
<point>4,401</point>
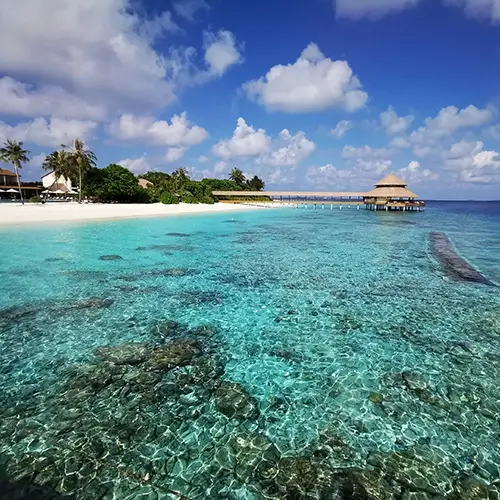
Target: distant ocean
<point>288,353</point>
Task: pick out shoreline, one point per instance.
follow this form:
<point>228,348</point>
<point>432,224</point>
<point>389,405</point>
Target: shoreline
<point>14,215</point>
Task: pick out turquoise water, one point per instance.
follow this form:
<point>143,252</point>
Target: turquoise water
<point>328,356</point>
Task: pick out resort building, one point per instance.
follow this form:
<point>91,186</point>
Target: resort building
<point>58,186</point>
<point>9,187</point>
<point>390,193</point>
<point>7,179</point>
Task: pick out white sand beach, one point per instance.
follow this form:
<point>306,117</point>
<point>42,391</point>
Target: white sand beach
<point>12,214</point>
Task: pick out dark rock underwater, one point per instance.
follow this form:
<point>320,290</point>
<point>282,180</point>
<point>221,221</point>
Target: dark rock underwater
<point>252,359</point>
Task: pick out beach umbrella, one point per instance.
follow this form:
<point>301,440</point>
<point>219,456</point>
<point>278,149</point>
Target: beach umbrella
<point>2,191</point>
<point>46,191</point>
<point>12,191</point>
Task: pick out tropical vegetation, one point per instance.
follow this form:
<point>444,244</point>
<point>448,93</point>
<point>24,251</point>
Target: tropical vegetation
<point>180,187</point>
<point>13,152</point>
<point>116,183</point>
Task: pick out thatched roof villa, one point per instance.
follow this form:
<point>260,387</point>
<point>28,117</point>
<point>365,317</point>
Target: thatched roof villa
<point>391,193</point>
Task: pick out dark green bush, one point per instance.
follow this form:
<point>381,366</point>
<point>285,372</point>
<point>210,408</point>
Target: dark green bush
<point>36,199</point>
<point>115,184</point>
<point>168,198</point>
<point>187,197</point>
<point>207,200</point>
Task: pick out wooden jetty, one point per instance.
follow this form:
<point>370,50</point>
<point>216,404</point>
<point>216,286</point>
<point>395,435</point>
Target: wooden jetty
<point>390,193</point>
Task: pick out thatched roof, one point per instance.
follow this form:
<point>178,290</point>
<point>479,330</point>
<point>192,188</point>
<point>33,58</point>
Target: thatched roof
<point>391,192</point>
<point>391,187</point>
<point>391,181</point>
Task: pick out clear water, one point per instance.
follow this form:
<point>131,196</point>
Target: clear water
<point>339,323</point>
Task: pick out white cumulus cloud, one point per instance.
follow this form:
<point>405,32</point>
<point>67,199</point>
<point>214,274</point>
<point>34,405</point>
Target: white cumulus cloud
<point>312,83</point>
<point>188,9</point>
<point>368,164</point>
<point>284,150</point>
<point>327,177</point>
<point>472,163</point>
<point>136,165</point>
<point>145,129</point>
<point>482,9</point>
<point>414,173</point>
<point>221,51</point>
<point>220,167</point>
<point>246,141</point>
<point>18,99</point>
<point>98,57</point>
<point>101,50</point>
<point>448,121</point>
<point>174,154</point>
<point>371,9</point>
<point>394,124</point>
<point>47,132</point>
<point>365,152</point>
<point>290,150</point>
<point>341,129</point>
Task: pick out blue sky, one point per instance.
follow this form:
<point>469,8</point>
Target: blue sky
<point>309,94</point>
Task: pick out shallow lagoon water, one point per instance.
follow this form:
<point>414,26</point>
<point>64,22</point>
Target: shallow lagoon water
<point>328,356</point>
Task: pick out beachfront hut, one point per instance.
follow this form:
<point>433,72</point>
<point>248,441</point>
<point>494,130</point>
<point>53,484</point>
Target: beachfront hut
<point>391,193</point>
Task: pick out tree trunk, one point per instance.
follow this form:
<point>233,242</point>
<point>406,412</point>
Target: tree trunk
<point>19,183</point>
<point>80,190</point>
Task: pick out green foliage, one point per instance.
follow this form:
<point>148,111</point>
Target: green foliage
<point>207,200</point>
<point>13,152</point>
<point>237,176</point>
<point>115,183</point>
<point>255,184</point>
<point>60,163</point>
<point>187,197</point>
<point>198,189</point>
<point>168,198</point>
<point>36,199</point>
<point>161,180</point>
<point>79,161</point>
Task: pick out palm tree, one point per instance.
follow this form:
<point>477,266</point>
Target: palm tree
<point>13,152</point>
<point>58,162</point>
<point>180,176</point>
<point>237,176</point>
<point>80,159</point>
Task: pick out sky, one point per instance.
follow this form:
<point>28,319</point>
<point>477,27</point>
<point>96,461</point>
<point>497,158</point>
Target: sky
<point>326,95</point>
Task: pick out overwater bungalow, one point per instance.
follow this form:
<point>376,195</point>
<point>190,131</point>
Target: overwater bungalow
<point>390,193</point>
